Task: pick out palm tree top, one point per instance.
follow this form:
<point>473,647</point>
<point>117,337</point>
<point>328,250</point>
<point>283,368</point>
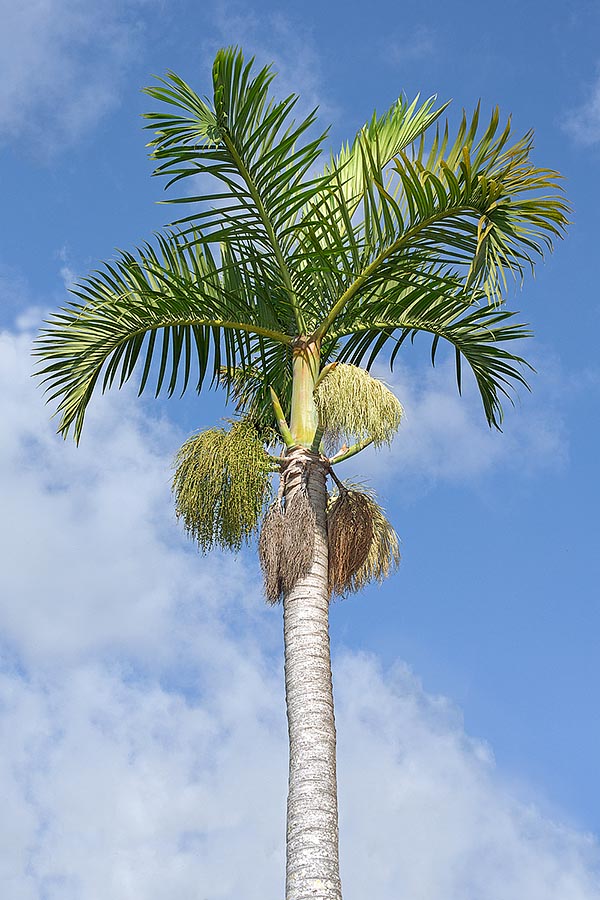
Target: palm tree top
<point>407,229</point>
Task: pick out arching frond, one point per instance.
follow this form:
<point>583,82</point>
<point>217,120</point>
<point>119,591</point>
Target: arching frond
<point>175,314</point>
<point>483,211</point>
<point>476,333</point>
<point>405,230</point>
<point>382,139</point>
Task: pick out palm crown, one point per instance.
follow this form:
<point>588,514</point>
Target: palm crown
<point>405,230</point>
<point>285,284</point>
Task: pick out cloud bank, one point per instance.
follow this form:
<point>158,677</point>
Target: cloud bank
<point>142,718</point>
<point>444,436</point>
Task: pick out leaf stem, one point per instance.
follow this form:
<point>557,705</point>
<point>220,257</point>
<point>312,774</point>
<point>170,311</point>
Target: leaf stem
<point>351,451</point>
<point>372,267</point>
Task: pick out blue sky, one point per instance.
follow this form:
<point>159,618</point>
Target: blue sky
<point>141,697</point>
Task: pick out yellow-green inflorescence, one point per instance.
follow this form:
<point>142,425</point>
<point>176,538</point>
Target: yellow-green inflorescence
<point>354,406</point>
<point>221,484</point>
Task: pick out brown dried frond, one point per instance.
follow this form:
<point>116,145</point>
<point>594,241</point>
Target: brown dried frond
<point>286,544</point>
<point>363,546</point>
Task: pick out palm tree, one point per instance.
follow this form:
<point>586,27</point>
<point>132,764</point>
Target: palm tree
<point>284,284</point>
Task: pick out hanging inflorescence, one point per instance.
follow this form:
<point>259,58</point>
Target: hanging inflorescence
<point>221,485</point>
<point>354,406</point>
<point>363,546</point>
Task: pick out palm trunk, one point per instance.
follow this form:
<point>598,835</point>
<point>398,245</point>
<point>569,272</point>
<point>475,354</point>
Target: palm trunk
<point>312,869</point>
<point>312,863</point>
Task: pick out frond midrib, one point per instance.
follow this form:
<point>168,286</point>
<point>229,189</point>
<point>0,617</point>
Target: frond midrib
<point>360,279</point>
<point>277,336</point>
<point>285,272</point>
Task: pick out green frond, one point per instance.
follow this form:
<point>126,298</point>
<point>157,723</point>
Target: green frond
<point>479,211</point>
<point>246,389</point>
<point>381,139</point>
<point>363,546</point>
<point>173,313</point>
<point>221,484</point>
<point>407,229</point>
<point>249,387</point>
<point>257,155</point>
<point>476,333</point>
<point>354,406</point>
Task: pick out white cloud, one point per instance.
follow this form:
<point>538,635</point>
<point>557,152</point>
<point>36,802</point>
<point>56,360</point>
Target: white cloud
<point>583,122</point>
<point>124,790</point>
<point>60,67</point>
<point>83,506</point>
<point>141,710</point>
<point>431,815</point>
<point>132,790</point>
<point>444,436</point>
<point>66,271</point>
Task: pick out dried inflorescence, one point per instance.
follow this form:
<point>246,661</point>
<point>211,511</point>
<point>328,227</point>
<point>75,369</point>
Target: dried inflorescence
<point>221,484</point>
<point>363,546</point>
<point>350,535</point>
<point>286,544</point>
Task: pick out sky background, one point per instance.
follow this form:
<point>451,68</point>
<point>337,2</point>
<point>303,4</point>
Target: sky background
<point>142,719</point>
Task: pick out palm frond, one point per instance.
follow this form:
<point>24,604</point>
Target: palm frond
<point>250,390</point>
<point>253,149</point>
<point>170,313</point>
<point>405,230</point>
<point>477,334</point>
<point>381,139</point>
<point>479,208</point>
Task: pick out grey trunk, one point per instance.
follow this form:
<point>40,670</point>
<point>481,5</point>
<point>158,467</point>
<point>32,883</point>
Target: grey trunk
<point>312,869</point>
